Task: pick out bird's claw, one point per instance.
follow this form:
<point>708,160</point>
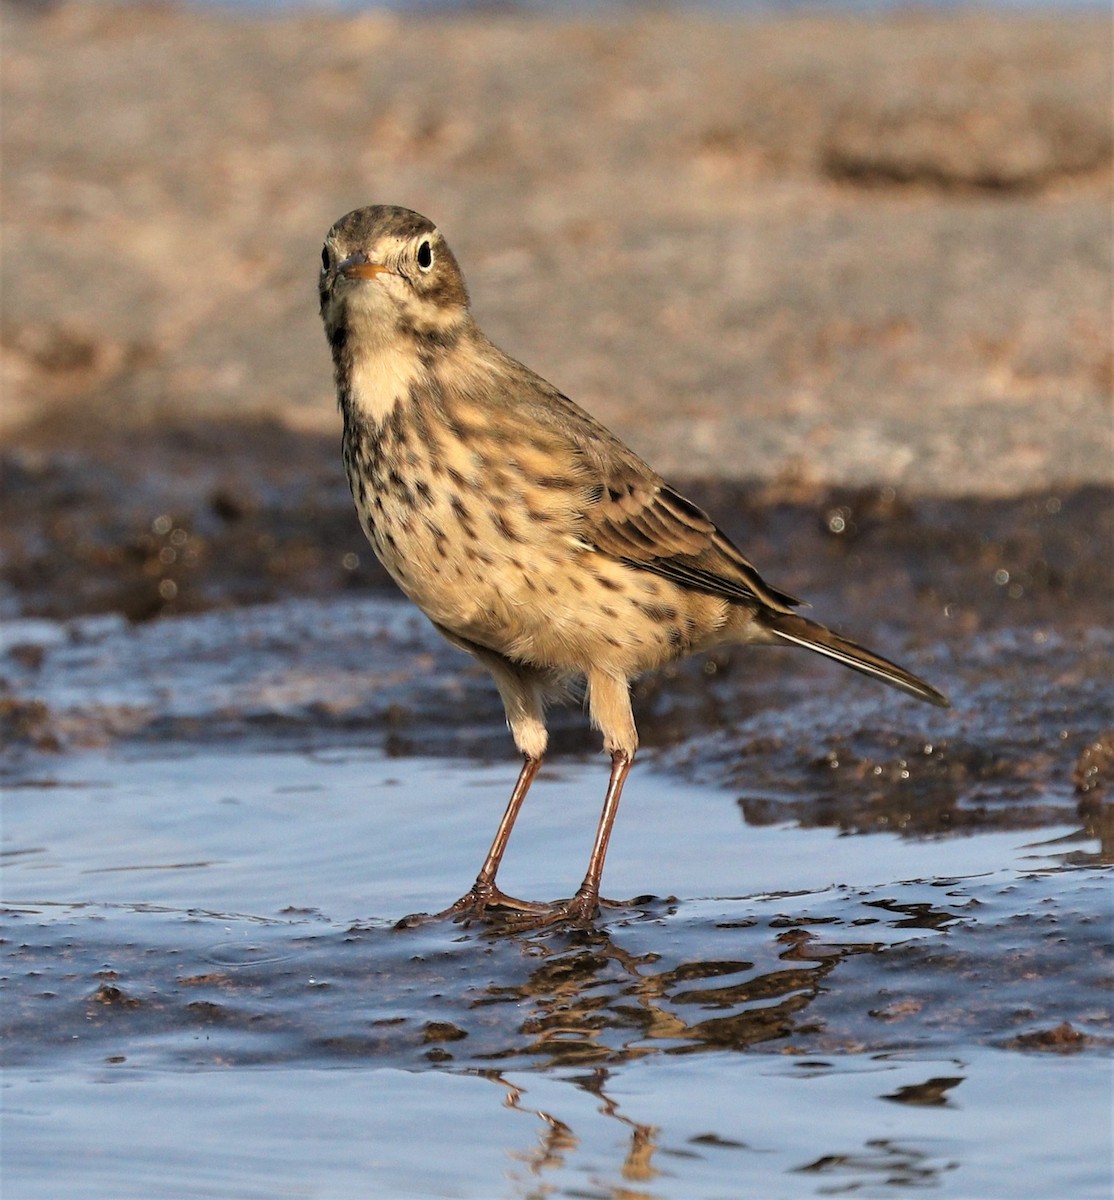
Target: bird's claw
<point>508,914</point>
<point>487,903</point>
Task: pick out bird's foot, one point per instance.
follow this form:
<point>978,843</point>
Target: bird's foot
<point>581,911</point>
<point>511,915</point>
<point>487,902</point>
<point>481,903</point>
<point>578,912</point>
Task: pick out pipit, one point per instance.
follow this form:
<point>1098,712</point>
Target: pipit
<point>529,534</point>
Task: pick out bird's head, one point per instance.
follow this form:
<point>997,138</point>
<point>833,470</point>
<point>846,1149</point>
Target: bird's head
<point>387,272</point>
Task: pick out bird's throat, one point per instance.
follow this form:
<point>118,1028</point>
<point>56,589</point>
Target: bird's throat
<point>372,380</point>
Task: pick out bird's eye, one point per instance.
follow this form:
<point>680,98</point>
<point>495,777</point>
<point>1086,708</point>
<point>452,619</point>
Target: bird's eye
<point>324,258</point>
<point>425,256</point>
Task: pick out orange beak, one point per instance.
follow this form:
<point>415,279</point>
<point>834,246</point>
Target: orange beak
<point>357,267</point>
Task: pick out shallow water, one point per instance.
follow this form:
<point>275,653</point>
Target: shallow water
<point>200,952</point>
<point>721,1127</point>
<point>819,988</point>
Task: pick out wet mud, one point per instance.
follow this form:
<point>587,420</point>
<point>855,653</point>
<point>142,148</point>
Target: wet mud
<point>216,514</point>
<point>150,590</point>
<point>846,971</point>
<point>998,602</point>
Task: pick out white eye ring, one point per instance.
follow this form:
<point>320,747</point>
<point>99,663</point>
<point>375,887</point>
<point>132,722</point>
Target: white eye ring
<point>425,257</point>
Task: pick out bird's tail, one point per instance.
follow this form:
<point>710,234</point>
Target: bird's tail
<point>800,631</point>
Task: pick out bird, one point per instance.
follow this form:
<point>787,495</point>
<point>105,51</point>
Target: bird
<point>530,535</point>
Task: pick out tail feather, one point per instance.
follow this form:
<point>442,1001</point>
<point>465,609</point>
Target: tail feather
<point>800,631</point>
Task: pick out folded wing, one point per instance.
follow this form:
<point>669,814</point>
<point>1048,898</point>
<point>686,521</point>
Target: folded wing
<point>645,523</point>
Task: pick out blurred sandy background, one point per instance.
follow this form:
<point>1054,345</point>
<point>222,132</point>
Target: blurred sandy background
<point>869,250</point>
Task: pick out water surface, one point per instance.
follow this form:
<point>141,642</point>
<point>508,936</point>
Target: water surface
<point>862,949</point>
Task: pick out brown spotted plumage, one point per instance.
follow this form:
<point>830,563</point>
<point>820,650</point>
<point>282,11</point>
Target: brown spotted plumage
<point>525,530</point>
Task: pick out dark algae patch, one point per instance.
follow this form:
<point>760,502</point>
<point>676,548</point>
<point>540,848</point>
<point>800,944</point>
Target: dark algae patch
<point>1017,964</point>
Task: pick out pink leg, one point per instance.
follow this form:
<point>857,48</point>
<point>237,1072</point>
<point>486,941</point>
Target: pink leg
<point>485,894</point>
<point>585,905</point>
<point>586,902</point>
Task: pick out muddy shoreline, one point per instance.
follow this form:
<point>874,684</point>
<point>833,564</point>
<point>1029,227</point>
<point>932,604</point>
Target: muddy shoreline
<point>216,515</point>
<point>1003,602</point>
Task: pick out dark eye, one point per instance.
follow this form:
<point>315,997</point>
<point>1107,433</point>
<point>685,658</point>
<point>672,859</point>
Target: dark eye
<point>425,256</point>
<point>324,258</point>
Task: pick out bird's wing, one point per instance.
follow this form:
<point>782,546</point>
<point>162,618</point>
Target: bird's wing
<point>630,512</point>
<point>646,523</point>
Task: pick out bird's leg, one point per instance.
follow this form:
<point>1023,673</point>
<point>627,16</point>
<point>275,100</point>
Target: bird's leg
<point>522,690</point>
<point>484,893</point>
<point>610,709</point>
<point>586,903</point>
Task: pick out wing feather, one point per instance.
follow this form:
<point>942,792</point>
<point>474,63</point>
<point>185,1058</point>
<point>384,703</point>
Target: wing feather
<point>647,524</point>
<point>630,512</point>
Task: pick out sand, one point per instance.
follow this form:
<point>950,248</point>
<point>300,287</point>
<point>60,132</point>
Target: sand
<point>805,252</point>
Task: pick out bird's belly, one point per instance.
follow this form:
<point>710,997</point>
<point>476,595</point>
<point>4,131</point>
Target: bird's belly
<point>535,597</point>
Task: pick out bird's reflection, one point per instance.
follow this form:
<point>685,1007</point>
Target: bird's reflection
<point>590,999</point>
<point>878,1161</point>
<point>556,1141</point>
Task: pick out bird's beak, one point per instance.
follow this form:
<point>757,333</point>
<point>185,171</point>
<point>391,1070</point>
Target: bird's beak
<point>356,266</point>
